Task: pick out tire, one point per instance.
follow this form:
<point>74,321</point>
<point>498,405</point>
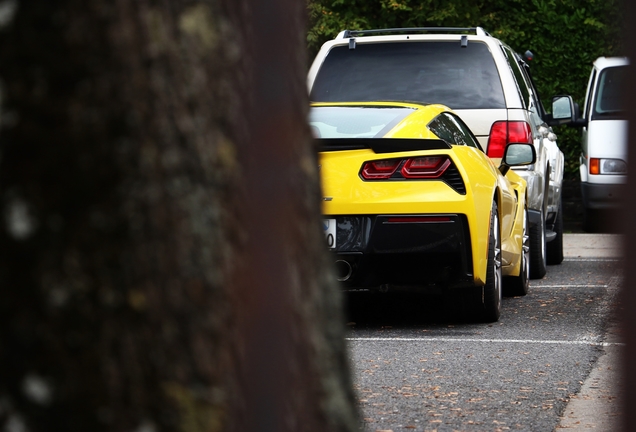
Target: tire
<point>518,285</point>
<point>555,247</point>
<point>538,261</point>
<point>489,307</point>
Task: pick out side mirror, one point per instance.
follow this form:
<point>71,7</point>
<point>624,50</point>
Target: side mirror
<point>578,120</point>
<point>563,111</point>
<point>517,154</point>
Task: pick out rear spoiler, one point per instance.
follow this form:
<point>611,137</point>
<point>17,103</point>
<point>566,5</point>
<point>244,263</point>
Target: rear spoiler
<point>381,145</point>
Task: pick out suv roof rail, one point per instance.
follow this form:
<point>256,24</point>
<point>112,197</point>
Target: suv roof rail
<point>353,33</point>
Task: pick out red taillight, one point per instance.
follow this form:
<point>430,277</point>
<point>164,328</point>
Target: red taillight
<point>498,139</point>
<point>519,132</point>
<point>503,133</point>
<point>381,169</point>
<point>425,167</point>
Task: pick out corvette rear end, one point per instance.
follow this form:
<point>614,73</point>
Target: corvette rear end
<point>410,200</point>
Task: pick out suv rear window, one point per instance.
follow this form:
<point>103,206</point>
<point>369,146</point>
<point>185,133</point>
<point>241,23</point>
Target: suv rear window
<point>609,97</point>
<point>424,72</point>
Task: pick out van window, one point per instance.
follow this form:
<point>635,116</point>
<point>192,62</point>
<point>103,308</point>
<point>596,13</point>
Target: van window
<point>431,72</point>
<point>608,103</point>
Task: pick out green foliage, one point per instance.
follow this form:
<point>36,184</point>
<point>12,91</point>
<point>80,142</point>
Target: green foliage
<point>565,36</point>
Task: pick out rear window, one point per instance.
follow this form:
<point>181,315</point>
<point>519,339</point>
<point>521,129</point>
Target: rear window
<point>609,100</point>
<point>354,121</point>
<point>424,72</point>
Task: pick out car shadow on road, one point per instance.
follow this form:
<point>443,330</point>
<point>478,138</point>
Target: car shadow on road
<point>397,309</point>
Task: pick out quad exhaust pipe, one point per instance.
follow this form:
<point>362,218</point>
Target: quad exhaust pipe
<point>344,270</point>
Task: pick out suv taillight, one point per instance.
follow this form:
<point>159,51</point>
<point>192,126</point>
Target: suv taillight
<point>503,133</point>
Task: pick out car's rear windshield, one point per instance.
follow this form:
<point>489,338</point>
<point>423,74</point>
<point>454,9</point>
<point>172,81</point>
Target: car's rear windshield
<point>354,121</point>
<point>425,72</point>
<point>609,99</point>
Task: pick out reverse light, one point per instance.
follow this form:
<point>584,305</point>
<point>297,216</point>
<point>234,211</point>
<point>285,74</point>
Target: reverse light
<point>607,166</point>
<point>503,133</point>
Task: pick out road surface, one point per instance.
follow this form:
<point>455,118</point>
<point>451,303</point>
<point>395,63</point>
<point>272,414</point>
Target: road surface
<point>548,364</point>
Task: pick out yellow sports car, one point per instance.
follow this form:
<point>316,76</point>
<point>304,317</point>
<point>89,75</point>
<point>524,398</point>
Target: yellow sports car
<point>412,201</point>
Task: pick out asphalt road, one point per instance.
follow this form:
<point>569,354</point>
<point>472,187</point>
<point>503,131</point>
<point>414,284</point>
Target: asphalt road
<point>418,366</point>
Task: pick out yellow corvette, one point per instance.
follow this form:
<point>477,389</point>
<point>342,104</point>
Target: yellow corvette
<point>411,200</point>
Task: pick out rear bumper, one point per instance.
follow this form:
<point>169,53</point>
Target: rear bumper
<point>602,196</point>
<point>384,250</point>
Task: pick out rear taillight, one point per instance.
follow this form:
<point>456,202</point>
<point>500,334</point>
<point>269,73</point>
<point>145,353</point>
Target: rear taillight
<point>424,167</point>
<point>498,139</point>
<point>595,166</point>
<point>608,166</point>
<point>503,133</point>
<point>381,169</point>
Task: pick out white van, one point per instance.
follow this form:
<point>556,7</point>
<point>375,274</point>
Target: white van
<point>603,159</point>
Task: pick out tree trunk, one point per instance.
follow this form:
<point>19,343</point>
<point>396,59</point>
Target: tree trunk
<point>628,294</point>
<point>161,259</point>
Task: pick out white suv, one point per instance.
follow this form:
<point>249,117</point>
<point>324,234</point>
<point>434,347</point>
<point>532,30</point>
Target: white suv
<point>480,78</point>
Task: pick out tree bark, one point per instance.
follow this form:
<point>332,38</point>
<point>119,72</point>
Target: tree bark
<point>161,258</point>
<point>627,293</point>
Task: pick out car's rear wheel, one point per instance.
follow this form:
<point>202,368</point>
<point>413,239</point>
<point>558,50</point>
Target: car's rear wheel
<point>518,285</point>
<point>538,262</point>
<point>490,305</point>
<point>555,247</point>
